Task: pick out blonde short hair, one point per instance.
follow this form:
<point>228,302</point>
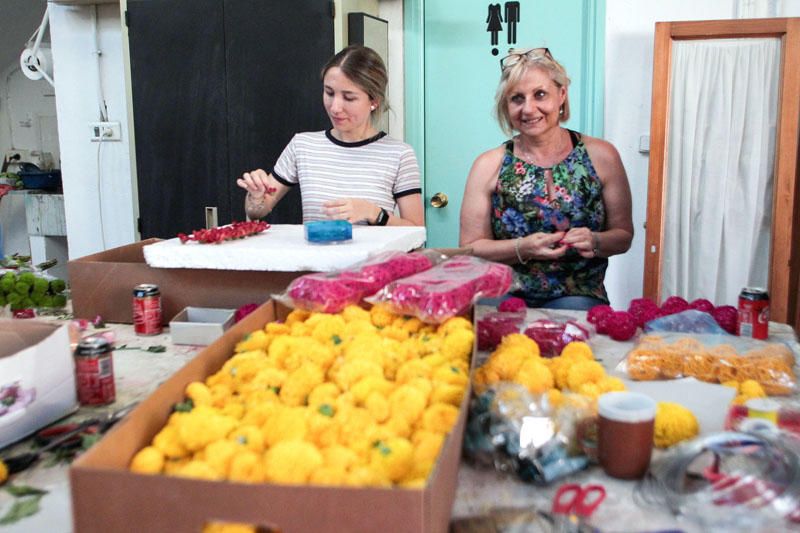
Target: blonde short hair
<point>364,67</point>
<point>512,74</point>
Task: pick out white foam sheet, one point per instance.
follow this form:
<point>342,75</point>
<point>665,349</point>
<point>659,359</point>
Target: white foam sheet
<point>283,248</point>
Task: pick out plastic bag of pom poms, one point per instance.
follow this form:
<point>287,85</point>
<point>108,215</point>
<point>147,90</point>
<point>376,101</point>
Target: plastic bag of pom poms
<point>522,434</point>
<point>330,292</point>
<point>492,327</point>
<point>690,321</point>
<point>446,290</point>
<point>712,358</point>
<point>554,331</point>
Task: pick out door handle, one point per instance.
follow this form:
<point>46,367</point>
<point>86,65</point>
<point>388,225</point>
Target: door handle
<point>439,200</point>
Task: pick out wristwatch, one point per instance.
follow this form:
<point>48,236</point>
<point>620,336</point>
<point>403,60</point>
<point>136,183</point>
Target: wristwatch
<point>382,219</point>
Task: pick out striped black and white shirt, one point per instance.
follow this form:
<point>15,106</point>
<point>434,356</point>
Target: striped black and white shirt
<point>379,170</point>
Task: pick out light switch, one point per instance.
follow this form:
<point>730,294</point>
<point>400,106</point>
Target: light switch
<point>644,144</point>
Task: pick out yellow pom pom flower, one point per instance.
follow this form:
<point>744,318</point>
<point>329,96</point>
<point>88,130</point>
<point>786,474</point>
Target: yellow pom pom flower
<point>578,350</point>
<point>674,423</point>
<point>535,376</point>
<point>584,372</point>
<point>148,460</point>
<point>291,462</point>
<point>752,389</point>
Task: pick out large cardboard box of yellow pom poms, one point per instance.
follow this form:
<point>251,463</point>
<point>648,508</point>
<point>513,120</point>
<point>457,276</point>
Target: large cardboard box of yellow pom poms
<point>107,496</point>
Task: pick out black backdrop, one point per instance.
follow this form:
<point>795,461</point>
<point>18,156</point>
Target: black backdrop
<point>219,87</point>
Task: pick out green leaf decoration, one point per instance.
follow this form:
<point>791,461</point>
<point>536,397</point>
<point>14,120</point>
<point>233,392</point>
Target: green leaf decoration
<point>19,491</point>
<point>326,409</point>
<point>21,509</point>
<point>337,340</point>
<point>183,407</point>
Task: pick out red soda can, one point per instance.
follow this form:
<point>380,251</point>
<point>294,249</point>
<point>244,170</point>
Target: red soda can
<point>147,309</point>
<point>754,313</point>
<point>94,371</point>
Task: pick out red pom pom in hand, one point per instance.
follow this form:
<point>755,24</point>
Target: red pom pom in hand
<point>727,316</point>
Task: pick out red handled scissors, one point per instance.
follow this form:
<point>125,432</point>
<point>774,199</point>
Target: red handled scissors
<point>572,499</point>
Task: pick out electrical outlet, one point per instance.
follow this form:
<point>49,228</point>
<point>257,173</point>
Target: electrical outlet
<point>105,131</point>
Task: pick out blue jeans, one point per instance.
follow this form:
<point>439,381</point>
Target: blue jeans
<point>577,303</point>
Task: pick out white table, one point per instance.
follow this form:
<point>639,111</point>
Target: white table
<point>139,372</point>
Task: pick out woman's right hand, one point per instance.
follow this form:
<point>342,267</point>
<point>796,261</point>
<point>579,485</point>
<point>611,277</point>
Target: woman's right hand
<point>257,183</point>
<point>542,246</point>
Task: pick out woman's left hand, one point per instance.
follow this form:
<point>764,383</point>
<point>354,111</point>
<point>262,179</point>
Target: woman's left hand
<point>353,210</point>
<point>582,240</point>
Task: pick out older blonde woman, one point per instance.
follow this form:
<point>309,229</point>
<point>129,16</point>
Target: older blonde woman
<point>550,201</point>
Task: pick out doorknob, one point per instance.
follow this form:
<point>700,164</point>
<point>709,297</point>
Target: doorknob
<point>439,200</point>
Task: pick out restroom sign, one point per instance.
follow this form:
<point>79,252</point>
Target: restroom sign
<point>496,16</point>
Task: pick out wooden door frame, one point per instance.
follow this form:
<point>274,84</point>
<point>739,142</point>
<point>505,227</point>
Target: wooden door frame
<point>784,274</point>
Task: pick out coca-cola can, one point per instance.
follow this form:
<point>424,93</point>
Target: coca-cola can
<point>94,371</point>
<point>754,313</point>
<point>147,309</point>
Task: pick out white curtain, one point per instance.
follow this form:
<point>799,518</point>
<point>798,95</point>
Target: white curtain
<point>720,161</point>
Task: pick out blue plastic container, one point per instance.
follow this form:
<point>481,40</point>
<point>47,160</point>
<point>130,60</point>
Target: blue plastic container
<point>328,231</point>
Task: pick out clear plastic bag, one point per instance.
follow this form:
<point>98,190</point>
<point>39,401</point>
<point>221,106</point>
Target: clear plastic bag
<point>446,290</point>
<point>690,321</point>
<point>520,433</point>
<point>712,358</point>
<point>554,331</point>
<point>330,292</point>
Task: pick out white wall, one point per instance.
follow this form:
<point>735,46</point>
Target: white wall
<point>98,197</point>
<point>27,114</point>
<point>392,11</point>
<point>630,30</point>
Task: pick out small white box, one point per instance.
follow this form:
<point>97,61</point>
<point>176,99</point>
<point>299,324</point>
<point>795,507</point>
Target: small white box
<point>37,377</point>
<point>200,325</point>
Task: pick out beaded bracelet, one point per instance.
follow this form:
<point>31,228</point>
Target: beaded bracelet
<point>519,255</point>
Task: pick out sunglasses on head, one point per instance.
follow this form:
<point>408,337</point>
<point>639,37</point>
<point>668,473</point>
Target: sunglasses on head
<point>515,56</point>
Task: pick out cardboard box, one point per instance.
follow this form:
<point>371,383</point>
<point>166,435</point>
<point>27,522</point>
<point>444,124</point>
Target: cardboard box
<point>200,325</point>
<point>102,284</point>
<point>37,377</point>
<point>107,497</point>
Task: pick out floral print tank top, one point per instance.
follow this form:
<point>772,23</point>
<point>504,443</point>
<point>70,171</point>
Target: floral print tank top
<point>521,205</point>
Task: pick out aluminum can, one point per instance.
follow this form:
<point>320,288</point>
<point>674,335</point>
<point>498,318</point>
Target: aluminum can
<point>754,313</point>
<point>94,371</point>
<point>147,309</point>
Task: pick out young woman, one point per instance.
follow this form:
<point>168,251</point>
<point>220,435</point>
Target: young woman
<point>352,171</point>
<point>553,203</point>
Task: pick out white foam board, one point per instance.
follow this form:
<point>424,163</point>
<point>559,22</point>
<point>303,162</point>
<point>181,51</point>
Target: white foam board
<point>283,248</point>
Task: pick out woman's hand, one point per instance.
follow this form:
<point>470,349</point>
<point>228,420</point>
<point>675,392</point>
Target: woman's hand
<point>542,246</point>
<point>353,210</point>
<point>257,183</point>
<point>583,240</point>
<point>263,192</point>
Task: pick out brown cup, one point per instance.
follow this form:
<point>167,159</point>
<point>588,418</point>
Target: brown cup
<point>625,433</point>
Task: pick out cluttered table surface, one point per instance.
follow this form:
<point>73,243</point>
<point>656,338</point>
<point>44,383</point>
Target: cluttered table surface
<point>142,363</point>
